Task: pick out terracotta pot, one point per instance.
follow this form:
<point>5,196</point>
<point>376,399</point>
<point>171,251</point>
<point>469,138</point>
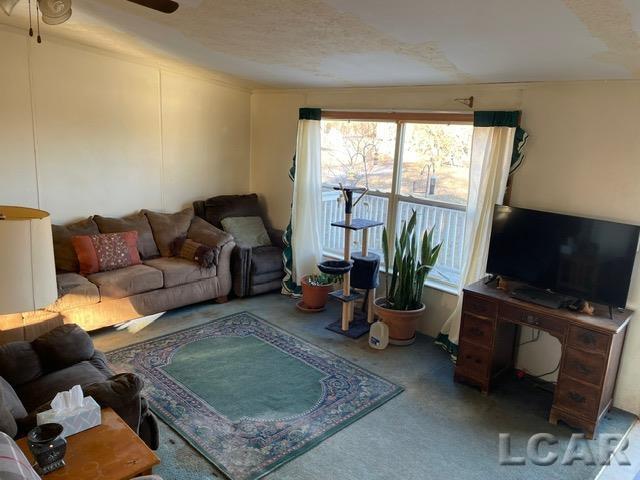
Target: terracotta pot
<point>315,297</point>
<point>402,323</point>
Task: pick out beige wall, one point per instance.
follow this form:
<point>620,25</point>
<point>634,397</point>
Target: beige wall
<point>85,132</point>
<point>582,158</point>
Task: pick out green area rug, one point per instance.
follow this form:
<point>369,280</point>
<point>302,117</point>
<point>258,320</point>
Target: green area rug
<point>248,395</point>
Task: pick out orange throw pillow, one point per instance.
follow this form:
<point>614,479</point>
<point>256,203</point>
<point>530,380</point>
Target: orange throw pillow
<point>106,251</point>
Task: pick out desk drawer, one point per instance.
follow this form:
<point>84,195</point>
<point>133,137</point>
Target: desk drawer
<point>473,361</point>
<point>532,319</point>
<point>588,339</point>
<point>577,398</point>
<point>477,330</point>
<point>479,306</point>
<point>584,366</point>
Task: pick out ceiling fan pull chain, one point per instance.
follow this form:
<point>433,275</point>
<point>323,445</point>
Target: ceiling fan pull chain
<point>30,27</point>
<point>38,20</point>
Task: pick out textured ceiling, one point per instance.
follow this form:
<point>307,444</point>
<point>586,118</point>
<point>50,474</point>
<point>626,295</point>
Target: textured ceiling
<point>370,42</point>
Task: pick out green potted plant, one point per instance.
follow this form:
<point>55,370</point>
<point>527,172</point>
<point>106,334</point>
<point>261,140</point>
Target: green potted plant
<point>316,289</point>
<point>402,306</point>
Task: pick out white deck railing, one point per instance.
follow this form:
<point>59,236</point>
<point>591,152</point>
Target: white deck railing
<point>448,221</point>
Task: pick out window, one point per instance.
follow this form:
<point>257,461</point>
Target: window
<point>408,162</point>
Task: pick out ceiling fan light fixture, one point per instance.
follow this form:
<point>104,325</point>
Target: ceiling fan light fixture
<point>55,12</point>
<point>7,5</point>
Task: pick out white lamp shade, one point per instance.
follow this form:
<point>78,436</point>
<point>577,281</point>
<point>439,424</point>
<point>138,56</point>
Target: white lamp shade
<point>27,265</point>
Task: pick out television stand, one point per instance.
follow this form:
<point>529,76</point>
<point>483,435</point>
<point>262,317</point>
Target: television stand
<point>541,297</point>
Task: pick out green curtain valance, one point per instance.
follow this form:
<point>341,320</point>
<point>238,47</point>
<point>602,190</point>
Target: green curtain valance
<point>496,119</point>
<point>310,114</point>
<point>505,119</point>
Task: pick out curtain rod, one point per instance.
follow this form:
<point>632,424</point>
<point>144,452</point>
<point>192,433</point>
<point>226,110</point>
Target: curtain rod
<point>447,117</point>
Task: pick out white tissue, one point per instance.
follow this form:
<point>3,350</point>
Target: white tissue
<point>69,400</point>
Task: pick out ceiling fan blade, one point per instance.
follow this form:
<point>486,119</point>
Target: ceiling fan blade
<point>164,6</point>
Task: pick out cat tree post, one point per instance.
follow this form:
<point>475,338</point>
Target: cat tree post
<point>347,307</point>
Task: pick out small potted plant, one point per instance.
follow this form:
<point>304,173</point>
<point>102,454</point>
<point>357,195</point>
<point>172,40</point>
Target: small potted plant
<point>402,306</point>
<point>315,291</point>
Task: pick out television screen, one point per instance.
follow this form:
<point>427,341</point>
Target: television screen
<point>580,257</point>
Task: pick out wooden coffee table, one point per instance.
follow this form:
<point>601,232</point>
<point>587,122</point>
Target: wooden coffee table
<point>111,451</point>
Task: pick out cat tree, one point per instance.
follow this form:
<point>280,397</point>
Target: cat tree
<point>359,271</point>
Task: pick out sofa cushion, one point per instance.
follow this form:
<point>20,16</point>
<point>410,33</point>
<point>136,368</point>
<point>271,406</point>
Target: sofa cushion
<point>74,291</point>
<point>223,206</point>
<point>126,282</point>
<point>203,232</point>
<point>247,231</point>
<point>66,258</point>
<point>42,390</point>
<point>266,260</point>
<point>136,222</point>
<point>178,271</point>
<point>63,346</point>
<point>167,227</point>
<point>19,363</point>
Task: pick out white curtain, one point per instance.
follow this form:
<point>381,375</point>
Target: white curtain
<point>491,152</point>
<point>306,208</point>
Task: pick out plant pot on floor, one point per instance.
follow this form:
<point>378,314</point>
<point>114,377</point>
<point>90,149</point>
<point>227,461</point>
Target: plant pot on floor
<point>314,295</point>
<point>402,323</point>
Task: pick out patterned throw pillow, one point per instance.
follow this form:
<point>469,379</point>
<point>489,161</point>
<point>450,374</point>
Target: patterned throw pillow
<point>188,249</point>
<point>106,251</point>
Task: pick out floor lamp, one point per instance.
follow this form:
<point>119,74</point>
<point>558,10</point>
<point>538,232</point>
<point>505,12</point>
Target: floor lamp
<point>27,266</point>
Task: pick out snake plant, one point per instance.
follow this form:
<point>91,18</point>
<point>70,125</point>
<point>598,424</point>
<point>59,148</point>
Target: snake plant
<point>411,265</point>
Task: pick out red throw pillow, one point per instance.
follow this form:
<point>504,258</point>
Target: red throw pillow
<point>106,251</point>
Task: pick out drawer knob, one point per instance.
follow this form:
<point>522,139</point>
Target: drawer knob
<point>476,332</point>
<point>576,397</point>
<point>582,368</point>
<point>587,338</point>
<point>531,319</point>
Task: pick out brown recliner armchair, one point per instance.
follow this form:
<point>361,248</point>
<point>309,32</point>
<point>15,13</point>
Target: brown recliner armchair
<point>32,373</point>
<point>254,270</point>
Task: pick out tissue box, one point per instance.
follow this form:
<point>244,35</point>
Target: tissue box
<point>76,420</point>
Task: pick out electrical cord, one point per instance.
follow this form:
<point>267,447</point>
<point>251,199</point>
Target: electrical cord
<point>548,373</point>
<point>535,336</point>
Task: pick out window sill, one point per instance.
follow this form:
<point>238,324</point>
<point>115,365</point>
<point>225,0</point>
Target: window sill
<point>442,287</point>
<point>429,282</point>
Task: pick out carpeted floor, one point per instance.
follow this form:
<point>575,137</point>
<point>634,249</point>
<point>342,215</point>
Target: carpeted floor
<point>435,430</point>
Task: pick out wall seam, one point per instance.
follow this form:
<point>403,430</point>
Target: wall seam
<point>34,135</point>
<point>163,205</point>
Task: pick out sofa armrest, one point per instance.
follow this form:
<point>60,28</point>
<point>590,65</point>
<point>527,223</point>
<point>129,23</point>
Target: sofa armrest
<point>203,232</point>
<point>99,361</point>
<point>276,237</point>
<point>241,270</point>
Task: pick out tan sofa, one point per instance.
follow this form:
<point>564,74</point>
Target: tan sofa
<point>103,299</point>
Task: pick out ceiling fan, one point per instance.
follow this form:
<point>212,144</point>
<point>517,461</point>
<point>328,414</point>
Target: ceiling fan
<point>55,12</point>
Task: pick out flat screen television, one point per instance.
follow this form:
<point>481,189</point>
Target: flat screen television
<point>574,256</point>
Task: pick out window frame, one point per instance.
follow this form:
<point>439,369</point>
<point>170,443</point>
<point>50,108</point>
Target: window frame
<point>401,119</point>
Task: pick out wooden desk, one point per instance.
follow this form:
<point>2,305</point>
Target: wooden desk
<point>111,451</point>
<point>591,349</point>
